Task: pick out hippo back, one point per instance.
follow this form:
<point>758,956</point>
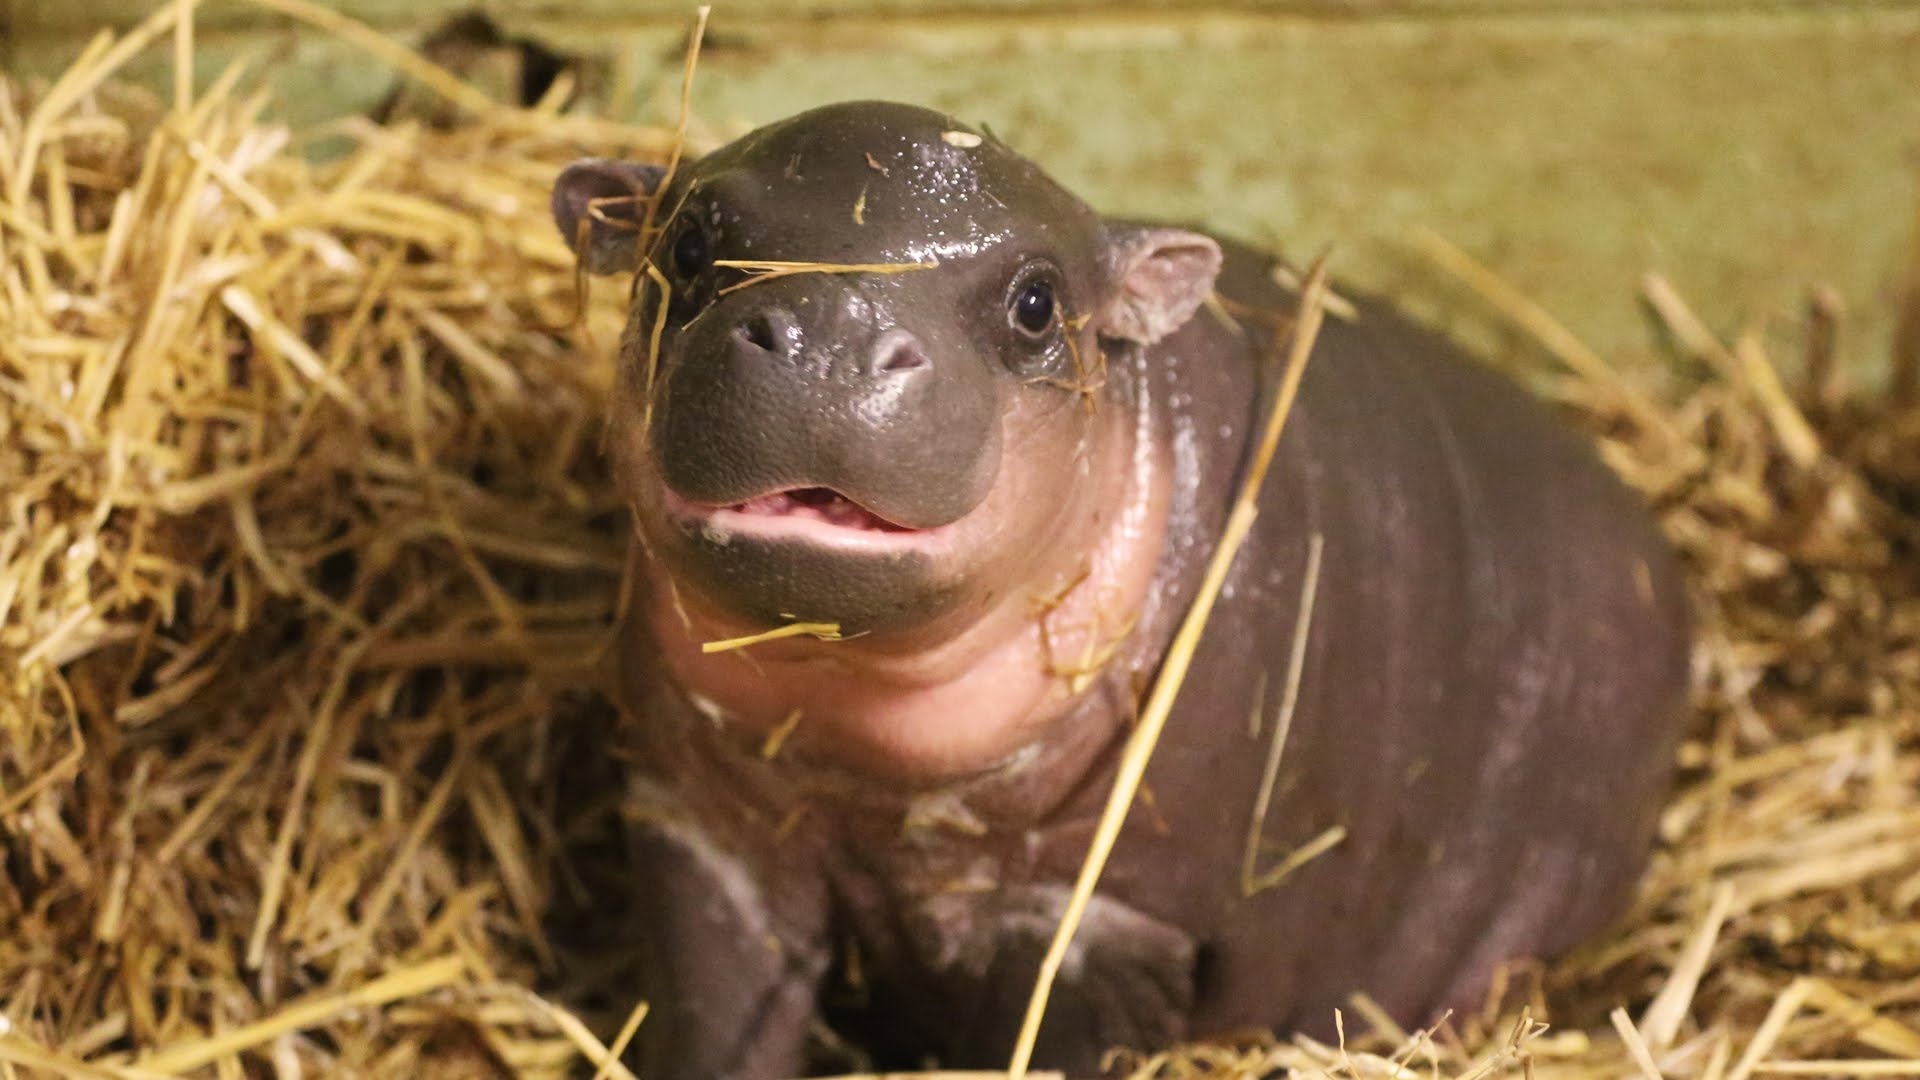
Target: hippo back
<point>1490,693</point>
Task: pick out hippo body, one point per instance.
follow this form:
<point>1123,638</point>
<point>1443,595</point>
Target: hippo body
<point>1488,693</point>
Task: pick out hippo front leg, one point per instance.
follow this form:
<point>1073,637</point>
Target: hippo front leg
<point>1127,983</point>
<point>731,984</point>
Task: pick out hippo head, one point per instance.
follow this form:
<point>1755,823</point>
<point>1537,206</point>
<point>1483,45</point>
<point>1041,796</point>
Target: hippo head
<point>862,380</point>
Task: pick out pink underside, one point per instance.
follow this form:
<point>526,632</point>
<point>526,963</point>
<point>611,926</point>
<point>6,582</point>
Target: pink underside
<point>818,504</point>
<point>958,705</point>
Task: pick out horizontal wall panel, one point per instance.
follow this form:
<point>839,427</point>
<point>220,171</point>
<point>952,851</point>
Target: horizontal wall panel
<point>1749,153</point>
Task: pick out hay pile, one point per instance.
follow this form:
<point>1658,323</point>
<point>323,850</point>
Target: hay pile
<point>306,545</point>
<point>307,551</point>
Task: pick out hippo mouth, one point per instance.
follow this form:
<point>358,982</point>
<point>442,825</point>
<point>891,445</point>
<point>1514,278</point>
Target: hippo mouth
<point>820,516</point>
<point>820,504</point>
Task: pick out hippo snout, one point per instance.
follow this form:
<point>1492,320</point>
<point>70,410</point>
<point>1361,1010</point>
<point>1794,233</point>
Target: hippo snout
<point>770,392</point>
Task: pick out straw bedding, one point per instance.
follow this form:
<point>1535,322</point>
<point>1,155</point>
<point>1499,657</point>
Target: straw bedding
<point>307,553</point>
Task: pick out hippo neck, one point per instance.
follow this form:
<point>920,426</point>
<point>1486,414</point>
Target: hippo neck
<point>1038,688</point>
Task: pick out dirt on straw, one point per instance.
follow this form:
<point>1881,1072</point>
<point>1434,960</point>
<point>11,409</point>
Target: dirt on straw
<point>308,550</point>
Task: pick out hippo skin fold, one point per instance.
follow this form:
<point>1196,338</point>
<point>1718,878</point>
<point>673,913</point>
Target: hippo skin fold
<point>994,438</point>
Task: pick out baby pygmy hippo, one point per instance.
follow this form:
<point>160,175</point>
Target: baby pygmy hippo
<point>993,438</point>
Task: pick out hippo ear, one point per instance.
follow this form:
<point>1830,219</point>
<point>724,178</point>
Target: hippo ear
<point>610,198</point>
<point>1164,276</point>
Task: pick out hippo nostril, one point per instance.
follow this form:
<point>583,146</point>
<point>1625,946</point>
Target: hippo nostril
<point>758,331</point>
<point>905,358</point>
<point>898,351</point>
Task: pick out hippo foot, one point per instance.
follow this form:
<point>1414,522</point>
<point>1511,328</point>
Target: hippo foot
<point>1127,982</point>
<point>731,990</point>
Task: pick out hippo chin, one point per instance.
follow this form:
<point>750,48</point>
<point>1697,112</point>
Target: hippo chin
<point>994,439</point>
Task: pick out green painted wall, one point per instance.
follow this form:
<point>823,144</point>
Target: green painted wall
<point>1749,151</point>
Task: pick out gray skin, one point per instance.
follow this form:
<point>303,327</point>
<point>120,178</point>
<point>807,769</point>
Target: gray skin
<point>1007,523</point>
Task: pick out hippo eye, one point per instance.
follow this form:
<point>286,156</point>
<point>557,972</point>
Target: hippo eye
<point>690,254</point>
<point>1033,307</point>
